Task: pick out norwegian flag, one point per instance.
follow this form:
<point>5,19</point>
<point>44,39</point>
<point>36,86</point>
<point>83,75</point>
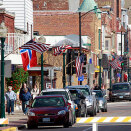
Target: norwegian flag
<point>58,50</point>
<point>116,63</point>
<point>79,65</point>
<point>38,47</point>
<point>29,58</point>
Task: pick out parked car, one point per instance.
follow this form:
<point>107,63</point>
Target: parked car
<point>49,110</point>
<point>79,99</point>
<point>67,95</point>
<point>90,98</point>
<point>120,91</point>
<point>102,100</point>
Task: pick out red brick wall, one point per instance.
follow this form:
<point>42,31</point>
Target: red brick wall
<point>9,21</point>
<point>50,4</point>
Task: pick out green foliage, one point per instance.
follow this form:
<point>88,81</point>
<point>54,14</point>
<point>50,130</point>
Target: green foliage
<point>18,77</point>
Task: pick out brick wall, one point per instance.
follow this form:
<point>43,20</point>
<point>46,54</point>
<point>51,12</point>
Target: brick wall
<point>50,5</point>
<point>9,21</point>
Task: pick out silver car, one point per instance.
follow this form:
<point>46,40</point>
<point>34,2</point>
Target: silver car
<point>102,100</point>
<point>90,98</point>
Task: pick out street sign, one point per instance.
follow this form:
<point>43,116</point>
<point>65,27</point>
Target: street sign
<point>81,78</point>
<point>7,68</point>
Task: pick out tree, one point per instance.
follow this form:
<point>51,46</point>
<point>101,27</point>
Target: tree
<point>18,77</point>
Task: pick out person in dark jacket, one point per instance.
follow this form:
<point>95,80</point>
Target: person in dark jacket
<point>25,97</point>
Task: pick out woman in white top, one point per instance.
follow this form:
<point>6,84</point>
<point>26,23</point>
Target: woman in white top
<point>35,91</point>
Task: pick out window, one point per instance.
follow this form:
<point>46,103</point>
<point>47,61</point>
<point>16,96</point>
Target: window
<point>106,45</point>
<point>36,33</point>
<point>117,8</point>
<point>27,27</point>
<point>119,47</point>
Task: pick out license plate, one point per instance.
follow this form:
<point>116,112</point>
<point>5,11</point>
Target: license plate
<point>120,96</point>
<point>46,119</point>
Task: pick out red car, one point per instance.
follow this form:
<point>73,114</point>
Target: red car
<point>49,110</point>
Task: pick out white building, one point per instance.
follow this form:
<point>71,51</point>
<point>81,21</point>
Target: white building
<point>23,10</point>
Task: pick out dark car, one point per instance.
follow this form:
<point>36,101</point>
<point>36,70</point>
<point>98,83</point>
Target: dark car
<point>79,99</point>
<point>120,91</point>
<point>49,110</point>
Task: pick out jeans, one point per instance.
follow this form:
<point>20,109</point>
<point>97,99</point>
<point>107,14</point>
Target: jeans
<point>24,106</point>
<point>10,105</point>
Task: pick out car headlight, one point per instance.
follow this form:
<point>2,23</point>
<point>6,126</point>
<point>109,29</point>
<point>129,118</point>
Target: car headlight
<point>63,112</point>
<point>127,93</point>
<point>31,114</point>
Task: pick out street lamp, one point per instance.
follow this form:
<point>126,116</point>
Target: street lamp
<point>42,40</point>
<point>128,57</point>
<point>100,57</point>
<point>85,8</point>
<point>3,34</point>
<point>110,71</point>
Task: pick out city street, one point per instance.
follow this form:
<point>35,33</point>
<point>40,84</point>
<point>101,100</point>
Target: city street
<point>114,109</point>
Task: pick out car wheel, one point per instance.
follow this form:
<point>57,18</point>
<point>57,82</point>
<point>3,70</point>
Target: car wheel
<point>105,109</point>
<point>66,125</point>
<point>92,113</point>
<point>84,113</point>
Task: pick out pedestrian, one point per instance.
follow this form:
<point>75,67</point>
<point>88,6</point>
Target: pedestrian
<point>10,98</point>
<point>25,97</point>
<point>35,91</point>
<point>24,85</point>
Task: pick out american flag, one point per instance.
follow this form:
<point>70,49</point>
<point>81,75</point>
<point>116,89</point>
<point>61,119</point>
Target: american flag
<point>38,47</point>
<point>58,50</point>
<point>116,63</point>
<point>79,65</point>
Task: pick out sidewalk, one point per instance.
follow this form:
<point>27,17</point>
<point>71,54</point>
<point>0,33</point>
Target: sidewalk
<point>16,121</point>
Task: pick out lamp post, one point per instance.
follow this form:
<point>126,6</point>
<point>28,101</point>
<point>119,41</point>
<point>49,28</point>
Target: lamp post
<point>110,71</point>
<point>3,34</point>
<point>42,40</point>
<point>64,78</point>
<point>86,10</point>
<point>128,57</point>
<point>100,57</point>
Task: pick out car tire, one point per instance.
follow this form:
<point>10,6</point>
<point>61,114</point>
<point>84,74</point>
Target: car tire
<point>92,113</point>
<point>84,114</point>
<point>66,125</point>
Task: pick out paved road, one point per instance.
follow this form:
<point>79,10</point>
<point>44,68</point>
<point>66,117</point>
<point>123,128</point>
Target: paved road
<point>114,109</point>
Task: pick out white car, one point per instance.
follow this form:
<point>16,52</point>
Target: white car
<point>67,95</point>
<point>90,98</point>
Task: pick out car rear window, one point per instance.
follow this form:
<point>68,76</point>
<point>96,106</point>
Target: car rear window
<point>85,91</point>
<point>48,102</point>
<point>74,94</point>
<point>98,93</point>
<point>57,93</point>
<point>120,87</point>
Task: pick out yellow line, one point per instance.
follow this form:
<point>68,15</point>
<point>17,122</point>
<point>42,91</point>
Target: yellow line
<point>10,129</point>
<point>88,120</point>
<point>114,119</point>
<point>102,119</point>
<point>126,119</point>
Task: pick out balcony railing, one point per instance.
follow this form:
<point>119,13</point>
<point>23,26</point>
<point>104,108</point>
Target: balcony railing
<point>14,41</point>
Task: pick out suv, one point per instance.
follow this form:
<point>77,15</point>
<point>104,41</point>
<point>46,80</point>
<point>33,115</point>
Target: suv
<point>67,95</point>
<point>79,100</point>
<point>120,91</point>
<point>90,98</point>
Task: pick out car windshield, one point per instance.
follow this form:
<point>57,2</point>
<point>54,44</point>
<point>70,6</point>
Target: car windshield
<point>48,101</point>
<point>85,91</point>
<point>57,93</point>
<point>98,93</point>
<point>120,87</point>
<point>74,94</point>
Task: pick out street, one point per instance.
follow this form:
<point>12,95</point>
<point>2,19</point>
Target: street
<point>114,109</point>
